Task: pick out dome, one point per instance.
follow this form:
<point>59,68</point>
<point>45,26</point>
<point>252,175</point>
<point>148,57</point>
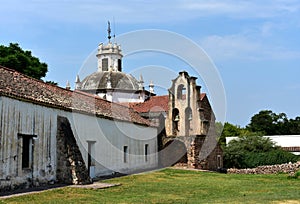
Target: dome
<point>119,80</point>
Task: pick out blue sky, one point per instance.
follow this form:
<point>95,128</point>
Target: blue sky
<point>255,45</point>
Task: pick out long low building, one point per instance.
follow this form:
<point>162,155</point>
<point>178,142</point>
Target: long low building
<point>51,134</point>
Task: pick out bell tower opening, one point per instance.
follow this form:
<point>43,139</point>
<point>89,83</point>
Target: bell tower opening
<point>181,92</point>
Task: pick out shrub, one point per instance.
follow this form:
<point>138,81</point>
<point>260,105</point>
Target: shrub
<point>253,151</point>
<point>275,156</point>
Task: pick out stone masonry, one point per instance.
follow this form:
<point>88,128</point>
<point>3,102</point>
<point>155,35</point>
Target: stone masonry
<point>71,168</point>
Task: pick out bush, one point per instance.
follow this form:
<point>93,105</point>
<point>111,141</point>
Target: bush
<point>276,156</point>
<point>253,151</point>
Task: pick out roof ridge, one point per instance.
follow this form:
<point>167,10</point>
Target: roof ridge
<point>17,85</point>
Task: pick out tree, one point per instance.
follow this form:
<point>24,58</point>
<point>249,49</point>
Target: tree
<point>253,151</point>
<point>269,123</point>
<point>22,61</point>
<point>294,126</point>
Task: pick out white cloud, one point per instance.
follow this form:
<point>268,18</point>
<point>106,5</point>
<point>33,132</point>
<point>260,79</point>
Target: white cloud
<point>241,47</point>
<point>248,9</point>
<point>91,11</point>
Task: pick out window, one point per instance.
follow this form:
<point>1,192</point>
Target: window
<point>27,150</point>
<point>119,65</point>
<point>91,159</point>
<point>105,64</point>
<point>219,161</point>
<point>26,156</point>
<point>146,152</point>
<point>91,153</point>
<point>125,154</point>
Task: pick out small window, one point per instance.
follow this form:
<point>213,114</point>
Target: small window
<point>125,152</point>
<point>105,64</point>
<point>27,150</point>
<point>219,161</point>
<point>146,152</point>
<point>119,65</point>
<point>91,153</point>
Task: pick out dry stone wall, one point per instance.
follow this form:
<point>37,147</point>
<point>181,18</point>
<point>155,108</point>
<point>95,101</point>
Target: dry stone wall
<point>289,168</point>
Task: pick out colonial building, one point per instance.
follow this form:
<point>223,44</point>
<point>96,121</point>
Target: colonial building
<point>186,122</point>
<point>184,117</point>
<point>109,124</point>
<point>51,134</point>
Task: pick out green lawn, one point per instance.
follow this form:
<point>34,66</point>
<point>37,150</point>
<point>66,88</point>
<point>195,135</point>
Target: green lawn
<point>178,186</point>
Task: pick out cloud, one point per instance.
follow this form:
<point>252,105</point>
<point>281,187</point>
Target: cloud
<point>249,9</point>
<point>241,46</point>
<point>132,11</point>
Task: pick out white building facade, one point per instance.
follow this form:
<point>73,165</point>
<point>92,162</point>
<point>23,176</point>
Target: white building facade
<point>49,134</point>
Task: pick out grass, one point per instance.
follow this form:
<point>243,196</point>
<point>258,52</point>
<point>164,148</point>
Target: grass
<point>178,186</point>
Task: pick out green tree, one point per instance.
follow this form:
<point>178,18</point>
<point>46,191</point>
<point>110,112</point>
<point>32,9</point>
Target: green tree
<point>22,61</point>
<point>269,123</point>
<point>252,151</point>
<point>294,126</point>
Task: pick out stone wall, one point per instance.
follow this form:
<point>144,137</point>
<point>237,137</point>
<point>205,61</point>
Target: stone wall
<point>270,169</point>
<point>71,168</point>
<point>192,152</point>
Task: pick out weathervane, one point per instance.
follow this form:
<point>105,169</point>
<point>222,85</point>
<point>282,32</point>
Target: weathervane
<point>109,31</point>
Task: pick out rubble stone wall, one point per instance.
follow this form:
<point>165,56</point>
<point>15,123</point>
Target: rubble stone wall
<point>289,168</point>
<point>71,168</point>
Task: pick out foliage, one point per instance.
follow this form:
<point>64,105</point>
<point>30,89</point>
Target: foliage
<point>177,186</point>
<point>253,151</point>
<point>274,124</point>
<point>51,82</point>
<point>276,156</point>
<point>22,61</point>
<point>230,130</point>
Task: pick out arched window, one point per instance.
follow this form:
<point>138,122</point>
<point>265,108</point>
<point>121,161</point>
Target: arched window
<point>181,92</point>
<point>176,119</point>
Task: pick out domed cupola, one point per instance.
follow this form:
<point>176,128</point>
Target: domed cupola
<point>109,82</point>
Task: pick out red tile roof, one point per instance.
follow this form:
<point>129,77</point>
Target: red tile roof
<point>16,85</point>
<point>155,104</point>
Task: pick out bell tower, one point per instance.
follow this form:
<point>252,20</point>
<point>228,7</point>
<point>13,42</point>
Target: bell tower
<point>184,115</point>
<point>109,55</point>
